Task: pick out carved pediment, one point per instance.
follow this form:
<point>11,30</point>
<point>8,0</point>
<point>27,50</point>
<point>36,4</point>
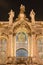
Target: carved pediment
<point>23,26</point>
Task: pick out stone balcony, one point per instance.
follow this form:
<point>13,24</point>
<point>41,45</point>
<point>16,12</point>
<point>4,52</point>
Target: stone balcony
<point>20,61</point>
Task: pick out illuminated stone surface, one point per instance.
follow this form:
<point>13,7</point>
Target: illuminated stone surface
<point>29,32</point>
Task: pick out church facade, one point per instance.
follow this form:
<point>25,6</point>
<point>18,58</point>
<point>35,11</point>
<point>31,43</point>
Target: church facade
<point>21,41</point>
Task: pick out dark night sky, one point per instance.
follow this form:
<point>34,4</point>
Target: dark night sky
<point>7,5</point>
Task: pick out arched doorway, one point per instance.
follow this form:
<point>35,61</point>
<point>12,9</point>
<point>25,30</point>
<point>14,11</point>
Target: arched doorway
<point>21,53</point>
<point>21,44</point>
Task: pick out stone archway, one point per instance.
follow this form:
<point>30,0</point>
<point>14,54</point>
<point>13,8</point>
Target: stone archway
<point>21,53</point>
<point>21,44</point>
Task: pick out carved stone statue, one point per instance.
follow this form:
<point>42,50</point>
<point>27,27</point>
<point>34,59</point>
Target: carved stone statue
<point>11,16</point>
<point>32,15</point>
<point>22,8</point>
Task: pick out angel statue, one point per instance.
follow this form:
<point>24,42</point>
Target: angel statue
<point>32,15</point>
<point>11,16</point>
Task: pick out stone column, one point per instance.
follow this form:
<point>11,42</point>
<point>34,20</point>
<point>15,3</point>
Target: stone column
<point>33,46</point>
<point>14,45</point>
<point>29,46</point>
<point>11,44</point>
